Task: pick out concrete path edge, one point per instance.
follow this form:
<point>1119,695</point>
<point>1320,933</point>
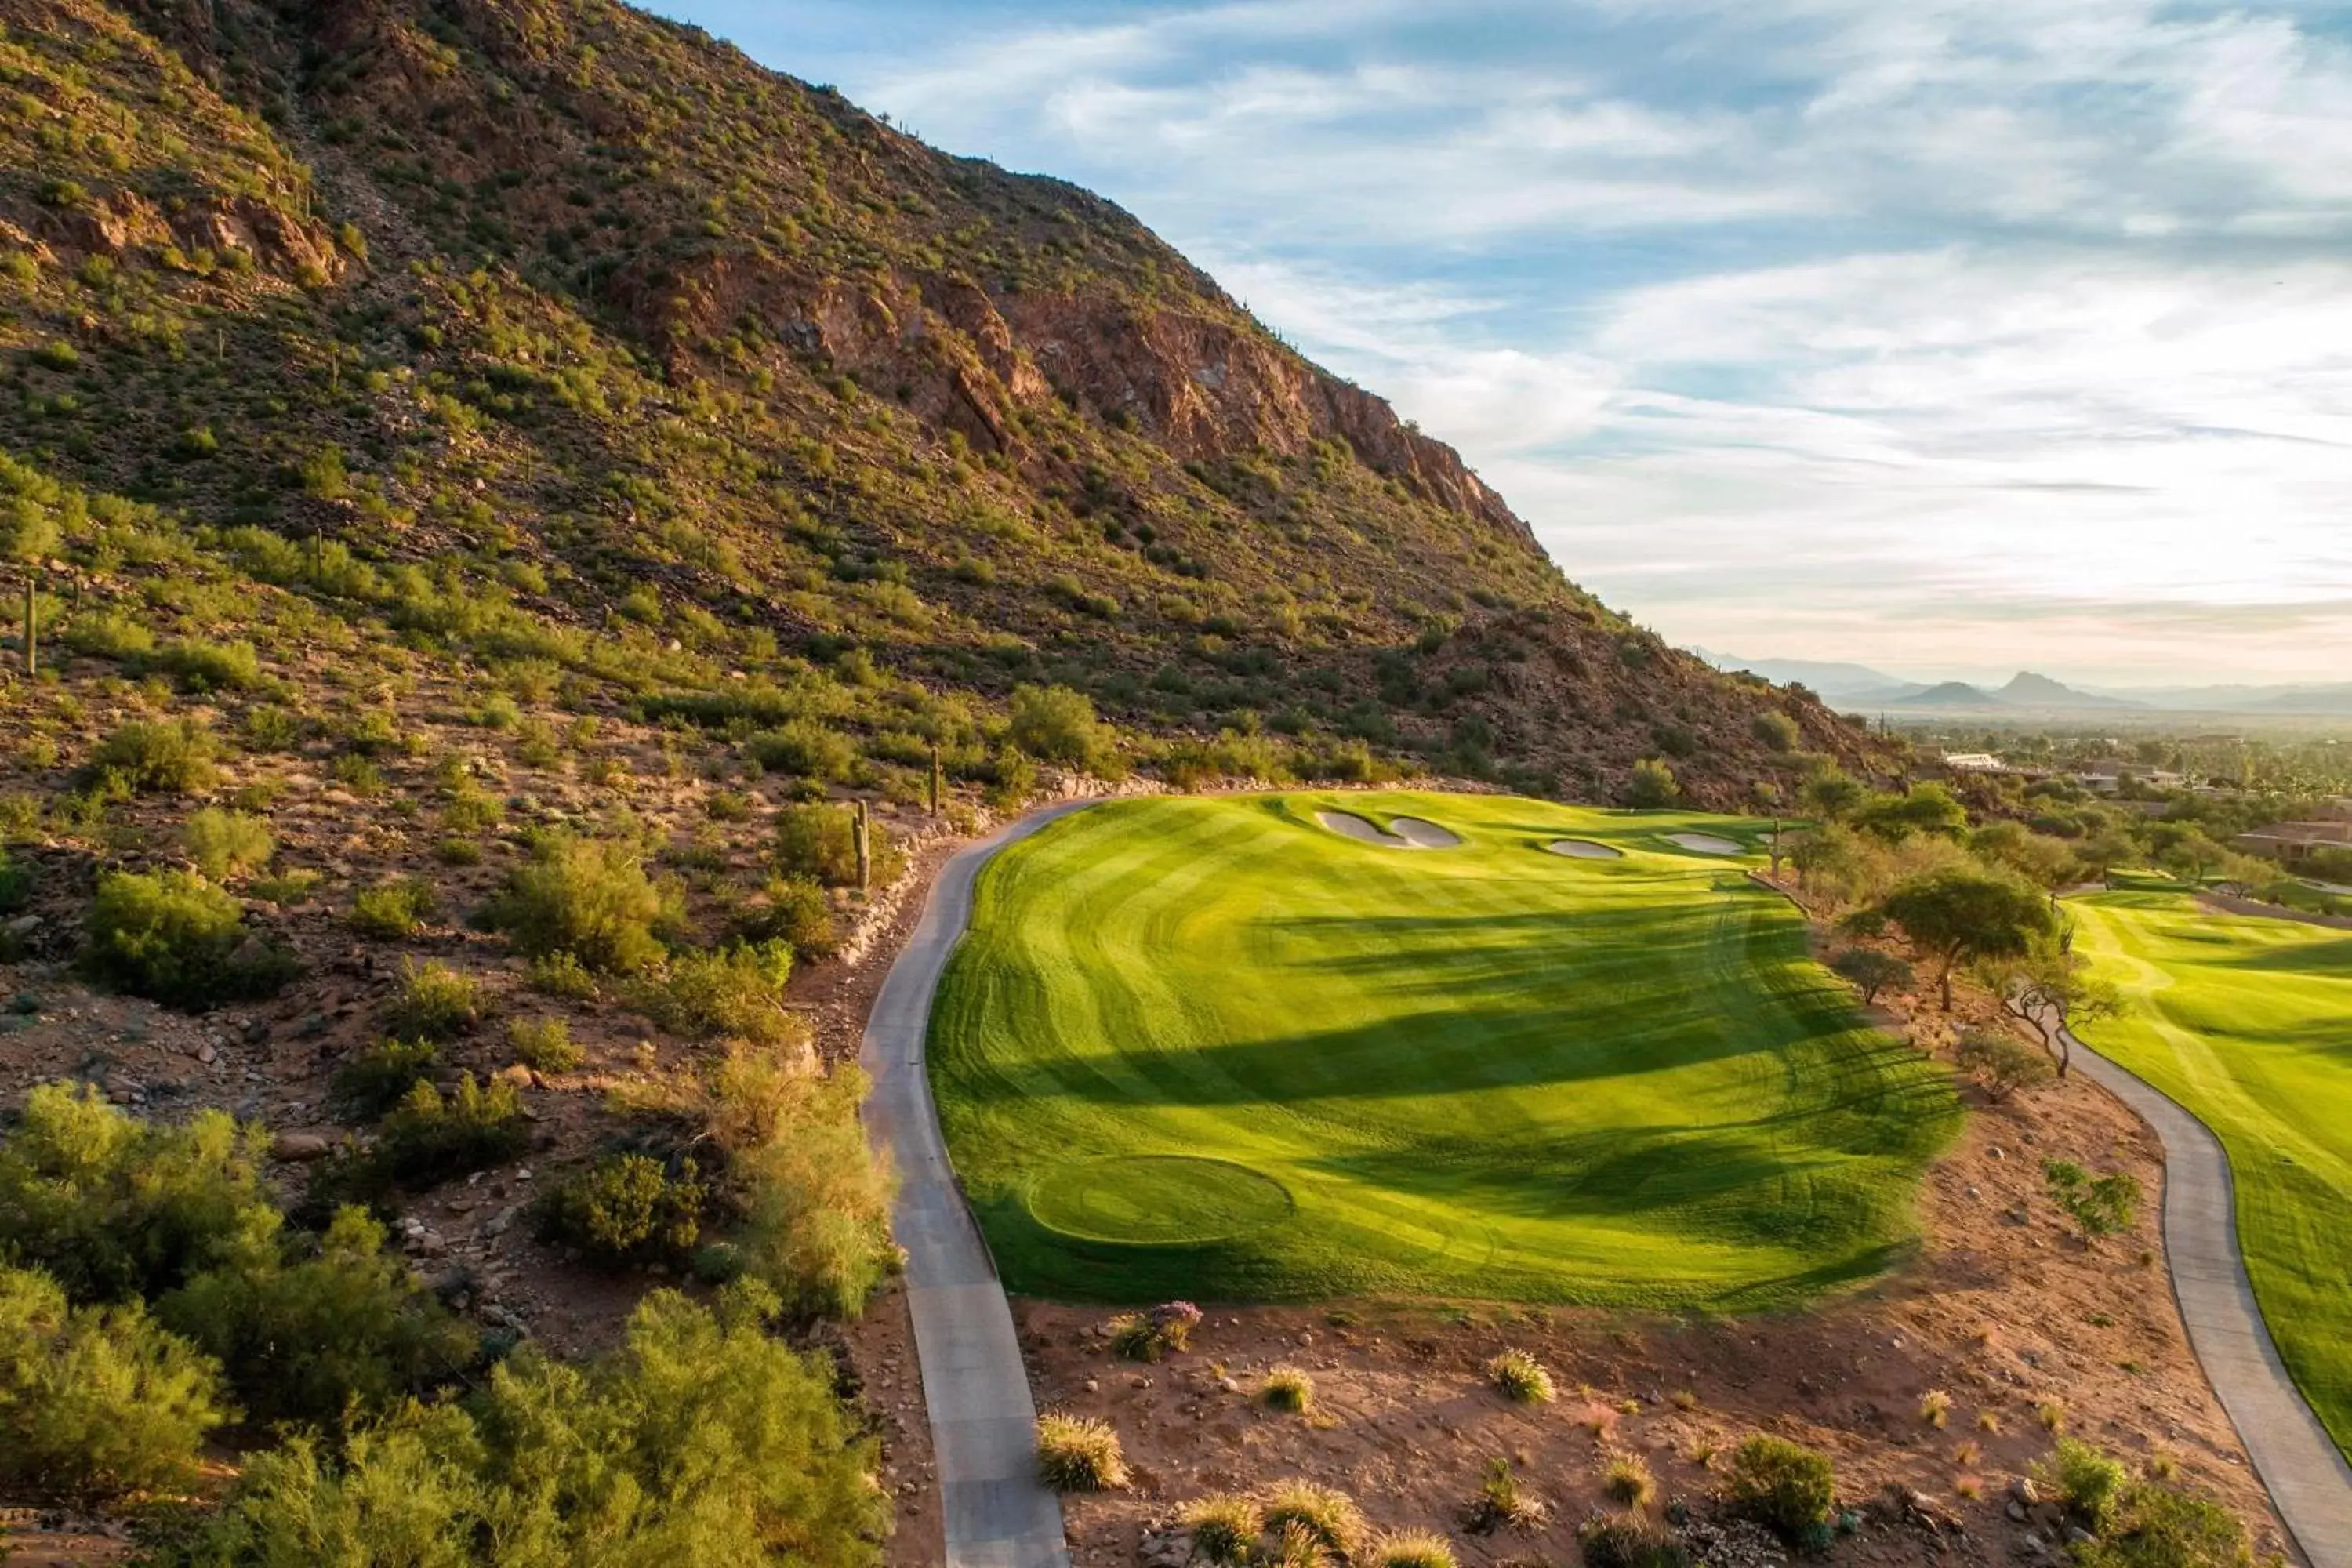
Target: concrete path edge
<point>2309,1482</point>
<point>983,1420</point>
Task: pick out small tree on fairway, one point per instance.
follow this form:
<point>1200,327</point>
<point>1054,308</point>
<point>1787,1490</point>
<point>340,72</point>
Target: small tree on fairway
<point>2055,992</point>
<point>2101,1206</point>
<point>1966,914</point>
<point>1871,971</point>
<point>2099,856</point>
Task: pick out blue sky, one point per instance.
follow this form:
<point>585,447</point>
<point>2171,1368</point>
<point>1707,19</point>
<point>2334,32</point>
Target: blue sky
<point>1954,336</point>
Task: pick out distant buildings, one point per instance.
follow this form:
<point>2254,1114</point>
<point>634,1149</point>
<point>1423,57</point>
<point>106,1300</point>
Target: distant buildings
<point>2293,843</point>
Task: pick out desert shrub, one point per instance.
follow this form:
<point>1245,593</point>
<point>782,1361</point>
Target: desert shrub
<point>307,1329</point>
<point>114,1209</point>
<point>429,1138</point>
<point>544,1044</point>
<point>2101,1206</point>
<point>1412,1549</point>
<point>1078,1454</point>
<point>109,636</point>
<point>1652,784</point>
<point>394,908</point>
<point>1628,1482</point>
<point>794,911</point>
<point>1295,1546</point>
<point>16,883</point>
<point>1055,724</point>
<point>1330,1516</point>
<point>627,1209</point>
<point>1501,1503</point>
<point>590,899</point>
<point>2003,1063</point>
<point>1872,971</point>
<point>561,975</point>
<point>1784,1485</point>
<point>201,667</point>
<point>1936,1407</point>
<point>804,748</point>
<point>816,1200</point>
<point>174,758</point>
<point>1520,1377</point>
<point>1225,1527</point>
<point>1148,1336</point>
<point>735,993</point>
<point>173,938</point>
<point>471,810</point>
<point>286,887</point>
<point>703,1440</point>
<point>1861,923</point>
<point>2155,1526</point>
<point>1287,1388</point>
<point>2088,1482</point>
<point>433,1002</point>
<point>226,844</point>
<point>378,1077</point>
<point>96,1402</point>
<point>1777,730</point>
<point>1629,1540</point>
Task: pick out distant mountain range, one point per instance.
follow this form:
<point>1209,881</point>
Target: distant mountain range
<point>1860,687</point>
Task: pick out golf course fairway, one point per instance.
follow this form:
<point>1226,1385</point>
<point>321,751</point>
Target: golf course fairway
<point>2247,1022</point>
<point>1217,1049</point>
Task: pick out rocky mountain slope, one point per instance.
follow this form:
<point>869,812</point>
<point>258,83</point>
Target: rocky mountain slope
<point>582,312</point>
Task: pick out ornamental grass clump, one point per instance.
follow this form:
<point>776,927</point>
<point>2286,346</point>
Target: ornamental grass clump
<point>1326,1514</point>
<point>1289,1389</point>
<point>1079,1454</point>
<point>1521,1378</point>
<point>1225,1527</point>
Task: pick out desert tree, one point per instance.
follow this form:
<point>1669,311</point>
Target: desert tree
<point>1965,915</point>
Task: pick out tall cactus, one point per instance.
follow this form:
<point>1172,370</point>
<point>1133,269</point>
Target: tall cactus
<point>865,826</point>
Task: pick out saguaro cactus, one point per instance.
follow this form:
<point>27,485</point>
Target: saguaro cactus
<point>864,829</point>
<point>935,778</point>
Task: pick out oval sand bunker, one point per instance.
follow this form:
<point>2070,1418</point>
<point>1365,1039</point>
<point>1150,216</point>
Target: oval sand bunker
<point>1705,844</point>
<point>1403,832</point>
<point>1584,850</point>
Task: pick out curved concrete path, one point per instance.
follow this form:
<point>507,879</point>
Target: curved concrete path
<point>2309,1482</point>
<point>984,1423</point>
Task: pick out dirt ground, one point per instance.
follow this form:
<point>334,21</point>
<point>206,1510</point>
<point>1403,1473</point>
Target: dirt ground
<point>2004,1309</point>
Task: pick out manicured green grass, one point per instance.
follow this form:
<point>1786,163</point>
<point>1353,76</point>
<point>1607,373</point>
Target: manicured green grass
<point>2248,1023</point>
<point>1209,1047</point>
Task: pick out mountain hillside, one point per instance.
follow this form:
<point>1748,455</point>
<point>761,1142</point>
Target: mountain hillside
<point>597,331</point>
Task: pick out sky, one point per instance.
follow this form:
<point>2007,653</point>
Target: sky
<point>1952,336</point>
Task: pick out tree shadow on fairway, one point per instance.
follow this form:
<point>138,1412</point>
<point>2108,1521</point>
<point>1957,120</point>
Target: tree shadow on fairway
<point>2330,959</point>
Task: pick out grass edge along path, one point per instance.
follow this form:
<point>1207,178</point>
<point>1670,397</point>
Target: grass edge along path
<point>2218,1004</point>
<point>1228,1052</point>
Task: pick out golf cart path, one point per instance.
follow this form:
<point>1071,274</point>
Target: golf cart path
<point>2309,1482</point>
<point>983,1422</point>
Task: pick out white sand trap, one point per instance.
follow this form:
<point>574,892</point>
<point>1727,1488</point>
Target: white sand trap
<point>1706,843</point>
<point>1403,832</point>
<point>1584,850</point>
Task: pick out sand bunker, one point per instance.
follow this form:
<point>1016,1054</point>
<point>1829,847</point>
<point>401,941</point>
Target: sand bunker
<point>1706,843</point>
<point>1403,832</point>
<point>1584,850</point>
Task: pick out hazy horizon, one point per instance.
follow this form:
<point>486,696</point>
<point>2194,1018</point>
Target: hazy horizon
<point>1956,336</point>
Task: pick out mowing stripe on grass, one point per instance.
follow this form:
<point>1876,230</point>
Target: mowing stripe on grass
<point>1486,1071</point>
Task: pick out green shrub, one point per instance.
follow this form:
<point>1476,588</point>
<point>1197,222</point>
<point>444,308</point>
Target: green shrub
<point>1289,1389</point>
<point>308,1329</point>
<point>1412,1549</point>
<point>627,1209</point>
<point>393,909</point>
<point>1627,1480</point>
<point>435,1003</point>
<point>174,758</point>
<point>794,911</point>
<point>16,883</point>
<point>1055,724</point>
<point>586,898</point>
<point>816,1198</point>
<point>1328,1516</point>
<point>427,1139</point>
<point>2088,1482</point>
<point>1783,1485</point>
<point>1521,1378</point>
<point>205,666</point>
<point>379,1078</point>
<point>820,842</point>
<point>1225,1527</point>
<point>108,635</point>
<point>1629,1540</point>
<point>2101,1206</point>
<point>1652,784</point>
<point>226,844</point>
<point>115,1209</point>
<point>472,810</point>
<point>705,1440</point>
<point>96,1402</point>
<point>1871,972</point>
<point>544,1044</point>
<point>1078,1454</point>
<point>176,939</point>
<point>2157,1526</point>
<point>2003,1063</point>
<point>562,974</point>
<point>806,749</point>
<point>735,993</point>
